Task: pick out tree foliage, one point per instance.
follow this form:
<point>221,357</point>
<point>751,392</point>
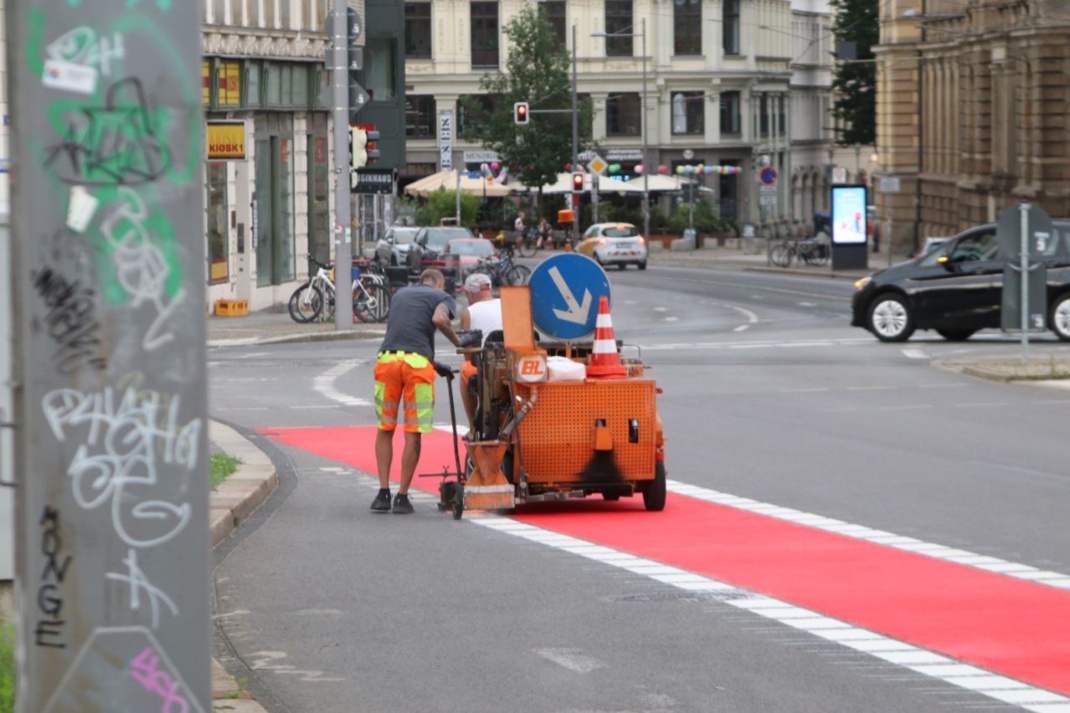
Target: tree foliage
<point>537,72</point>
<point>443,204</point>
<point>855,82</point>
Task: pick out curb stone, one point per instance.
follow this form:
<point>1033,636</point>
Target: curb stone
<point>235,500</point>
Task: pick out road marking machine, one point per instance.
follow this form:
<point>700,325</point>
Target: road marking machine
<point>557,418</point>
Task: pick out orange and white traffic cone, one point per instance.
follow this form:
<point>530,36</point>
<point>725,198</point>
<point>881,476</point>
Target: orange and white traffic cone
<point>605,363</point>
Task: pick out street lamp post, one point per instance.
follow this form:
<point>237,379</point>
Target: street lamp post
<point>645,119</point>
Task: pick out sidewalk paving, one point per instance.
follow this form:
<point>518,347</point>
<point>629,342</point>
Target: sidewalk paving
<point>256,478</point>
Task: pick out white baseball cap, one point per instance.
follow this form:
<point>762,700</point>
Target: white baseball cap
<point>477,282</point>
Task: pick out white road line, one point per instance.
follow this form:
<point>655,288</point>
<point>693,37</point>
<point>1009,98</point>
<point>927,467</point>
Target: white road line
<point>241,408</point>
<point>900,653</point>
<point>755,345</point>
<point>741,328</point>
<point>989,404</point>
<point>915,354</point>
<point>324,384</point>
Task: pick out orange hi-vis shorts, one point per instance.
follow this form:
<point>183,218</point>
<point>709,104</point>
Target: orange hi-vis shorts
<point>410,379</point>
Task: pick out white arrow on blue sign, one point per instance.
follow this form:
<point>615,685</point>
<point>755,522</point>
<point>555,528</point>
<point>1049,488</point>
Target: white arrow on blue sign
<point>565,291</point>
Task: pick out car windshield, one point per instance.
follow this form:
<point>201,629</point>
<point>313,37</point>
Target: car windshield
<point>404,236</point>
<point>620,231</point>
<point>438,237</point>
<point>470,247</point>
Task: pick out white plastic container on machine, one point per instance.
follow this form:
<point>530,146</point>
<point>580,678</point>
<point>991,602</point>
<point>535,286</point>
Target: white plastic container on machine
<point>564,369</point>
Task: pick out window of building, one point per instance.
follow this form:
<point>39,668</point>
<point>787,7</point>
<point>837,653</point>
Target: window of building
<point>619,20</point>
<point>484,34</point>
<point>687,27</point>
<point>252,85</point>
<point>419,117</point>
<point>418,30</point>
<point>763,115</point>
<point>555,15</point>
<point>730,26</point>
<point>217,222</point>
<point>623,115</point>
<point>379,54</point>
<point>687,112</point>
<point>730,123</point>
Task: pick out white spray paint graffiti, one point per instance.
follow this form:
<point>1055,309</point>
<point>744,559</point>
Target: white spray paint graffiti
<point>126,438</point>
<point>138,581</point>
<point>141,267</point>
<point>83,46</point>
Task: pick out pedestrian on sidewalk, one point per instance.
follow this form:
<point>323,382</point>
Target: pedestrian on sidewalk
<point>484,312</point>
<point>405,373</point>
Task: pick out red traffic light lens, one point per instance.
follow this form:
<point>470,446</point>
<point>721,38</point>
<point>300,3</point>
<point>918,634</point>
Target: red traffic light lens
<point>577,181</point>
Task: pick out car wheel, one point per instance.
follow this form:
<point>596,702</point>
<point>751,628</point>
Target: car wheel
<point>622,266</point>
<point>597,259</point>
<point>1060,317</point>
<point>956,335</point>
<point>890,319</point>
<point>642,265</point>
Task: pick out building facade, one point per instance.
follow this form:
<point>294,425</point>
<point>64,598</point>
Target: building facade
<point>973,112</point>
<point>716,74</point>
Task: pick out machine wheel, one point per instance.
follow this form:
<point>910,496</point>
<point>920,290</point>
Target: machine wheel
<point>956,335</point>
<point>890,319</point>
<point>458,502</point>
<point>1060,317</point>
<point>654,492</point>
<point>642,265</point>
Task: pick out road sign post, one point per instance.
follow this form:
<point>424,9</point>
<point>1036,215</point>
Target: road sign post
<point>565,290</point>
<point>1027,230</point>
<point>108,272</point>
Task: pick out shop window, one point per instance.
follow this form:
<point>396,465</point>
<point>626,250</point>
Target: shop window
<point>218,248</point>
<point>619,20</point>
<point>688,112</point>
<point>252,85</point>
<point>730,123</point>
<point>206,82</point>
<point>419,117</point>
<point>687,27</point>
<point>623,115</point>
<point>484,32</point>
<point>418,30</point>
<point>229,84</point>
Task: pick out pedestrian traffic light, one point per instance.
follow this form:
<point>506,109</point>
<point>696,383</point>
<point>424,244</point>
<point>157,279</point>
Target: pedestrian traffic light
<point>577,182</point>
<point>360,153</point>
<point>520,112</point>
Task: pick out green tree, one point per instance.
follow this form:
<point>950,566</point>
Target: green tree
<point>537,73</point>
<point>855,80</point>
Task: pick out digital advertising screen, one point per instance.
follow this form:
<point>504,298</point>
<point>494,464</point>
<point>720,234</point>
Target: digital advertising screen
<point>848,215</point>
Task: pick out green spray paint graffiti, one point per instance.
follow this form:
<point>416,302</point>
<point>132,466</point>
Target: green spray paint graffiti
<point>164,5</point>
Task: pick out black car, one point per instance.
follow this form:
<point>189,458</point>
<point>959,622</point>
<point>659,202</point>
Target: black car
<point>956,288</point>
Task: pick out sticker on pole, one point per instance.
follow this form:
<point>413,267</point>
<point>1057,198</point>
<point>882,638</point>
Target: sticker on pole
<point>564,295</point>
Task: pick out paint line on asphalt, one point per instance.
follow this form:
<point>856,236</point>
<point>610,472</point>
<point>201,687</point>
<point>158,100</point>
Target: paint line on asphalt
<point>836,631</point>
<point>987,563</point>
<point>324,384</point>
<point>915,354</point>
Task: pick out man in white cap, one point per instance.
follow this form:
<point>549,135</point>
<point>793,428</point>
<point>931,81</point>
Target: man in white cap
<point>484,312</point>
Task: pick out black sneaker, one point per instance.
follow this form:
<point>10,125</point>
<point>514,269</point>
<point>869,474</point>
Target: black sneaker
<point>381,502</point>
<point>402,506</point>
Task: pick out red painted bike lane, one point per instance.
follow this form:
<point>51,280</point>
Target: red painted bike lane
<point>1006,625</point>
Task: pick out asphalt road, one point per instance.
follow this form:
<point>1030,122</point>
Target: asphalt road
<point>769,396</point>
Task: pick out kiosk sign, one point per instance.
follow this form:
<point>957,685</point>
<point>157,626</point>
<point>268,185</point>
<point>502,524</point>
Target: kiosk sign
<point>564,295</point>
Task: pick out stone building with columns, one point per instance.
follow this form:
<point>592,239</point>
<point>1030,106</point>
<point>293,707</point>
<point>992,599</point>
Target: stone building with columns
<point>716,71</point>
<point>973,112</point>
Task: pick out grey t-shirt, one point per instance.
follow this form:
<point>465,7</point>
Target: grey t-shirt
<point>409,327</point>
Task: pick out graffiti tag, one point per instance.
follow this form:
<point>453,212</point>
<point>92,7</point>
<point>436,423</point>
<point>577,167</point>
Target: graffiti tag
<point>49,631</point>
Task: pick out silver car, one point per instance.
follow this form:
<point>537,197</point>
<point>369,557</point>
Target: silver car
<point>393,248</point>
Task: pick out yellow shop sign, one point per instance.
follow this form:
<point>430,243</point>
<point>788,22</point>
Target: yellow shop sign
<point>226,140</point>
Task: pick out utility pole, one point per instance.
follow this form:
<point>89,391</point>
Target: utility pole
<point>108,359</point>
<point>576,140</point>
<point>343,251</point>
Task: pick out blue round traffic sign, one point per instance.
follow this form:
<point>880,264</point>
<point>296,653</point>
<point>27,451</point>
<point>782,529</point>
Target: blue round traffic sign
<point>565,291</point>
<point>768,175</point>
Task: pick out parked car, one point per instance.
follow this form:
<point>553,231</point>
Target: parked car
<point>393,248</point>
<point>618,244</point>
<point>956,288</point>
<point>431,241</point>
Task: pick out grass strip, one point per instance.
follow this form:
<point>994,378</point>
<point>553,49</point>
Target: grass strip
<point>222,466</point>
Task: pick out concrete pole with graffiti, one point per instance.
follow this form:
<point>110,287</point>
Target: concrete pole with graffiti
<point>110,407</point>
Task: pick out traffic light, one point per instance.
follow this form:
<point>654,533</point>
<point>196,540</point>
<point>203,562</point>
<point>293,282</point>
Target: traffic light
<point>360,154</point>
<point>520,113</point>
<point>577,182</point>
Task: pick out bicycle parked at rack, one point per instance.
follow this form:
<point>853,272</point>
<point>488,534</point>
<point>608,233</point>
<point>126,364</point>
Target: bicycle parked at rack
<point>812,251</point>
<point>371,297</point>
<point>502,270</point>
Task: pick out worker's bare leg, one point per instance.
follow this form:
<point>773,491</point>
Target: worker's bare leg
<point>384,455</point>
<point>410,456</point>
<point>469,402</point>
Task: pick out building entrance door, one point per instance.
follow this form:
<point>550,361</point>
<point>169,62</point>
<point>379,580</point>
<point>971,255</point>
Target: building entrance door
<point>274,200</point>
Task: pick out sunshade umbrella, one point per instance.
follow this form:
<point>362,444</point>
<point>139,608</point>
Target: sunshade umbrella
<point>447,181</point>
